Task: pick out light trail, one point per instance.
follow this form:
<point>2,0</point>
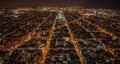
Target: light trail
<point>106,48</point>
<point>100,29</point>
<point>103,30</point>
<point>47,47</point>
<point>79,52</point>
<point>25,38</point>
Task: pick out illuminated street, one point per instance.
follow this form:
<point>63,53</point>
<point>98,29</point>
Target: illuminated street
<point>59,36</point>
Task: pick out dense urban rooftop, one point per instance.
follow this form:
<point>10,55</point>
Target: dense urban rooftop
<point>59,36</point>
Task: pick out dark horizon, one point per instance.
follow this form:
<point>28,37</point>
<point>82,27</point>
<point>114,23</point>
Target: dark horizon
<point>61,3</point>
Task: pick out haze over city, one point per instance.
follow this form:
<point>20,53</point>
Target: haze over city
<point>61,3</point>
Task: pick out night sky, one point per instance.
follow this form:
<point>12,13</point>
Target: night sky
<point>61,3</point>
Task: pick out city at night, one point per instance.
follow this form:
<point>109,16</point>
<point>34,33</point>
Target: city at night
<point>59,32</point>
